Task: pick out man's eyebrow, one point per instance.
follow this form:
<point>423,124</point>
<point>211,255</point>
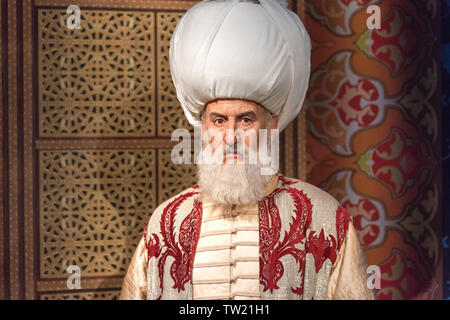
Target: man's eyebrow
<point>240,115</point>
<point>248,113</point>
<point>216,114</point>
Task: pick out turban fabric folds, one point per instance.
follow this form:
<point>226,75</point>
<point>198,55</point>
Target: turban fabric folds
<point>251,50</point>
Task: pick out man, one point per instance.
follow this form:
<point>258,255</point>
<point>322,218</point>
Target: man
<point>241,234</point>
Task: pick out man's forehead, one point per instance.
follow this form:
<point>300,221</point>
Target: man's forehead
<point>233,107</point>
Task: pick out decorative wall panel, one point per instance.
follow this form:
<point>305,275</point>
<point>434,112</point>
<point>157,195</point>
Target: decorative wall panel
<point>93,295</point>
<point>92,204</point>
<point>99,80</point>
<point>373,137</point>
<point>170,114</point>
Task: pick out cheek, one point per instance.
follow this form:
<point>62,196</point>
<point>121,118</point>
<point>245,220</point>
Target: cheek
<point>252,140</point>
<point>211,135</point>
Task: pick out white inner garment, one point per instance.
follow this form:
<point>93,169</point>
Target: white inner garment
<point>226,263</point>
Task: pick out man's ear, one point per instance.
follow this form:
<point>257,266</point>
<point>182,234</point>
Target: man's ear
<point>203,113</point>
<point>203,121</point>
<point>274,121</point>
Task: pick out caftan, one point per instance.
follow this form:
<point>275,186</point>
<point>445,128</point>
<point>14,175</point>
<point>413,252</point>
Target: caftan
<point>228,263</point>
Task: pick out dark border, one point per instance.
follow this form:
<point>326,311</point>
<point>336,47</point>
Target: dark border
<point>445,120</point>
<point>20,150</point>
<point>5,148</point>
<point>35,122</point>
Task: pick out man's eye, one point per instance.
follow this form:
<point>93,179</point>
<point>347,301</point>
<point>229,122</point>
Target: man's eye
<point>219,121</point>
<point>247,120</point>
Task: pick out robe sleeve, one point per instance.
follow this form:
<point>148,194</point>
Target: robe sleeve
<point>135,283</point>
<point>348,280</point>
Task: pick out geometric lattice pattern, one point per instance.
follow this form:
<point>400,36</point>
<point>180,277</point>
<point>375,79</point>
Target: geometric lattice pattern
<point>108,80</point>
<point>168,106</point>
<point>103,83</point>
<point>93,204</point>
<point>96,295</point>
<point>173,178</point>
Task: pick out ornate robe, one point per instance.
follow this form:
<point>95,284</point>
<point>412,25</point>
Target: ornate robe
<point>306,248</point>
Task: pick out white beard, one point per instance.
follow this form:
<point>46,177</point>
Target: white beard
<point>232,183</point>
<point>236,182</point>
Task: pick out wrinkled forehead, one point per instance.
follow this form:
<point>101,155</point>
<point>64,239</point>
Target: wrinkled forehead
<point>233,107</point>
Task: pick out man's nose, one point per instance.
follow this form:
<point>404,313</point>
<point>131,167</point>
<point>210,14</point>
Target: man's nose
<point>230,133</point>
<point>230,137</point>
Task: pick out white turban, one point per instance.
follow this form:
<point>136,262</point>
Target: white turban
<point>250,50</point>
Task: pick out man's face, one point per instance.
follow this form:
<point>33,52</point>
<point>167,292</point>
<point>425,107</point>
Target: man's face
<point>225,115</point>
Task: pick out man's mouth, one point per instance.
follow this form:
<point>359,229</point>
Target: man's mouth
<point>233,155</point>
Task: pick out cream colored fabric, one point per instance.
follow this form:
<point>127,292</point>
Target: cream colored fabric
<point>226,264</point>
<point>135,282</point>
<point>348,280</point>
<point>241,49</point>
<point>221,229</point>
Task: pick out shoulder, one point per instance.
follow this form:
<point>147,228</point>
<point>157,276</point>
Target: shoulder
<point>316,195</point>
<point>181,202</point>
<point>326,213</point>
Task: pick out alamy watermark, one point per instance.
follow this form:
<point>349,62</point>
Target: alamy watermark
<point>74,280</point>
<point>374,21</point>
<point>374,279</point>
<point>74,20</point>
<point>231,146</point>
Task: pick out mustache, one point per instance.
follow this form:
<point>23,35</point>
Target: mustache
<point>233,148</point>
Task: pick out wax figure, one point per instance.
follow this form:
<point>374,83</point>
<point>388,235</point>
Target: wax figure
<point>240,234</point>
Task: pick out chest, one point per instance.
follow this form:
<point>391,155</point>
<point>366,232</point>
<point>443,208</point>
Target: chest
<point>268,251</point>
<point>226,262</point>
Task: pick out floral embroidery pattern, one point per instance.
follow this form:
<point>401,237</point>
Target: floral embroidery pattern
<point>152,244</point>
<point>342,223</point>
<point>271,250</point>
<point>285,181</point>
<point>322,247</point>
<point>183,250</point>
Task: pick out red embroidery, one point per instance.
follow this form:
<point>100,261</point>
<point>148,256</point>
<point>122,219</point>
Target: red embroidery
<point>271,250</point>
<point>188,238</point>
<point>152,244</point>
<point>321,248</point>
<point>342,223</point>
<point>153,247</point>
<point>183,253</point>
<point>285,181</point>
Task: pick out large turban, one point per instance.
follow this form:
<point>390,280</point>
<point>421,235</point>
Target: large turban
<point>235,49</point>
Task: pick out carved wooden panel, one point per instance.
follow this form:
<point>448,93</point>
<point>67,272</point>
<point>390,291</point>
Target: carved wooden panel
<point>92,295</point>
<point>170,113</point>
<point>93,206</point>
<point>99,80</point>
<point>173,178</point>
